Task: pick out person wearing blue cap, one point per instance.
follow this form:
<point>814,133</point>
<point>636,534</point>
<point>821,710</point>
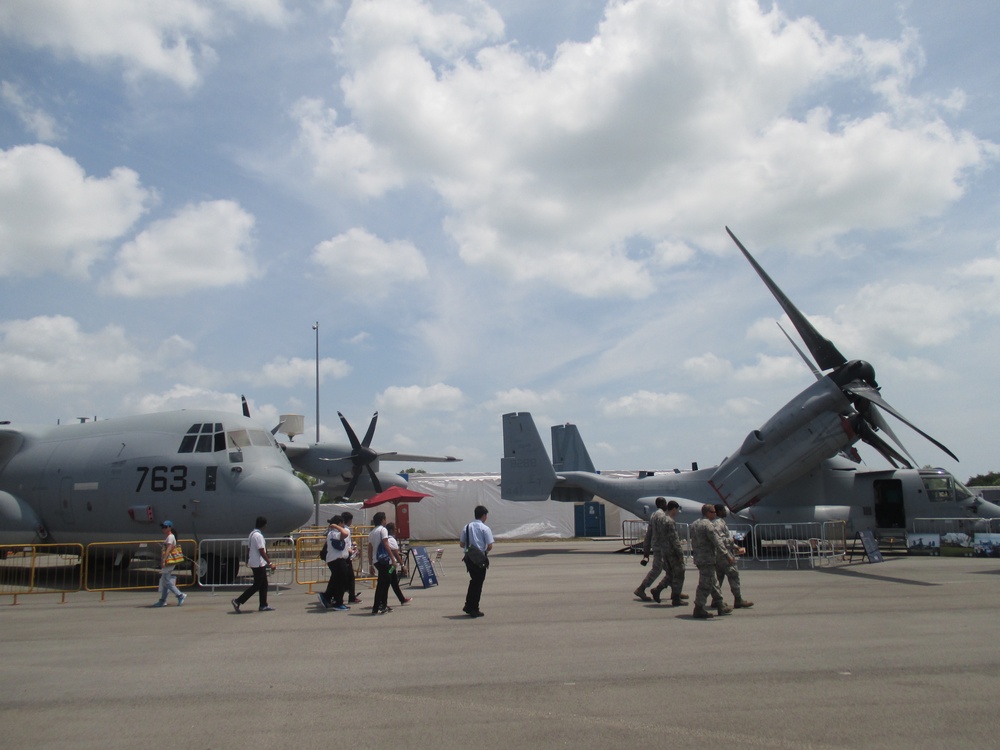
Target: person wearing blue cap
<point>170,558</point>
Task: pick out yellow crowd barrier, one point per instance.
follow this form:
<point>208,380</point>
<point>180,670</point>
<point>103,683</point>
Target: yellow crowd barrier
<point>40,569</point>
<point>311,570</point>
<point>135,565</point>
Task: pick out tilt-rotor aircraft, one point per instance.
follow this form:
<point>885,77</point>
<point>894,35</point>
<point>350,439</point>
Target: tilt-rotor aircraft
<point>800,466</point>
<point>344,469</point>
<point>211,473</point>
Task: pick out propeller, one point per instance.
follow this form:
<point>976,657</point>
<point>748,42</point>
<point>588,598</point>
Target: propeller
<point>362,456</point>
<point>855,378</point>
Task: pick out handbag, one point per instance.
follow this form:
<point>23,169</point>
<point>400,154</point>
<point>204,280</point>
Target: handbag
<point>473,554</point>
<point>176,557</point>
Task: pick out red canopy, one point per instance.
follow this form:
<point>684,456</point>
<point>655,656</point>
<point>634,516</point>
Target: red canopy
<point>395,495</point>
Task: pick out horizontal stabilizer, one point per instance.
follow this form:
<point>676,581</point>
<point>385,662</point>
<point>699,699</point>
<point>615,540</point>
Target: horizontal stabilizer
<point>525,471</point>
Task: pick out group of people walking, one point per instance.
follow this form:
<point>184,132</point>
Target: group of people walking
<point>383,557</point>
<point>715,555</point>
<point>712,546</point>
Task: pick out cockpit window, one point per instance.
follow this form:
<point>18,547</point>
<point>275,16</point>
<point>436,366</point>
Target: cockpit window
<point>940,487</point>
<point>206,437</point>
<point>238,439</point>
<point>261,438</point>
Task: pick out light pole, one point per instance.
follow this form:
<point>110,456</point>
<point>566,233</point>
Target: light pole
<point>316,328</point>
<point>317,493</point>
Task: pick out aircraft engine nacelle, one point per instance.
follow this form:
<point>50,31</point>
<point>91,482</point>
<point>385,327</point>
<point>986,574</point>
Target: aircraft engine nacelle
<point>770,464</point>
<point>19,524</point>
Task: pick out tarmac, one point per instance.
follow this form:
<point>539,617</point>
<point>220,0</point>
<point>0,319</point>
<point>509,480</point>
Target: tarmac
<point>901,654</point>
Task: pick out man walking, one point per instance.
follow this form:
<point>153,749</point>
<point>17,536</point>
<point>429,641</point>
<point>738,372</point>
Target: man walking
<point>259,564</point>
<point>725,569</point>
<point>705,546</point>
<point>673,559</point>
<point>477,541</point>
<point>659,542</point>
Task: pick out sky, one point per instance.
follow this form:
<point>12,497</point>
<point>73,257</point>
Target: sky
<point>500,206</point>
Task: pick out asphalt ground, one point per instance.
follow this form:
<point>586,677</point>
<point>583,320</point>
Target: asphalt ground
<point>901,654</point>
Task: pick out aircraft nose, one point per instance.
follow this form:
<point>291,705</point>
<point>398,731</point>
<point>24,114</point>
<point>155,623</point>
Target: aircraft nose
<point>986,509</point>
<point>279,496</point>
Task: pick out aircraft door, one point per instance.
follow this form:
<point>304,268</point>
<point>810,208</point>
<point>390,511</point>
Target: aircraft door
<point>890,511</point>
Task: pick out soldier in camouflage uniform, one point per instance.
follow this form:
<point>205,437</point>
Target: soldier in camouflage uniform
<point>653,543</point>
<point>673,559</point>
<point>706,547</point>
<point>725,569</point>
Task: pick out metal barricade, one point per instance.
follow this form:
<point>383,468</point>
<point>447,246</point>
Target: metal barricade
<point>634,534</point>
<point>40,569</point>
<point>310,568</point>
<point>222,563</point>
<point>134,566</point>
<point>832,545</point>
<point>789,542</point>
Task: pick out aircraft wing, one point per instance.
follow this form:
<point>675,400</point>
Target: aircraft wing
<point>392,456</point>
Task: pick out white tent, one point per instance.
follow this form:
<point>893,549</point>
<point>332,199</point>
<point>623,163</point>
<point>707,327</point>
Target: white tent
<point>452,503</point>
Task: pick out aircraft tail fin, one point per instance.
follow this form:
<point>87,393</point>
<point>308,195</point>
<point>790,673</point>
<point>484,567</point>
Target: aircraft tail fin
<point>570,454</point>
<point>525,471</point>
<point>568,451</point>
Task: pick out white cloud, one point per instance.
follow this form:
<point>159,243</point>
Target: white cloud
<point>39,123</point>
<point>363,266</point>
<point>160,38</point>
<point>167,38</point>
<point>202,246</point>
<point>186,397</point>
<point>295,371</point>
<point>668,118</point>
<point>437,397</point>
<point>341,156</point>
<point>52,354</point>
<point>56,219</point>
<point>521,399</point>
<point>646,404</point>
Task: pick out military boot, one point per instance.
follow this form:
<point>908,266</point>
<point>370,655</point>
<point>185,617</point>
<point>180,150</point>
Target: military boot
<point>676,601</point>
<point>702,614</point>
<point>742,604</point>
<point>724,609</point>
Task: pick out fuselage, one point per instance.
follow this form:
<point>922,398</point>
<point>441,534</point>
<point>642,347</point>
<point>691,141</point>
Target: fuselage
<point>836,490</point>
<point>211,473</point>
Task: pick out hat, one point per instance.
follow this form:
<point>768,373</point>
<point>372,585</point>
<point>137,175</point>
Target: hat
<point>167,525</point>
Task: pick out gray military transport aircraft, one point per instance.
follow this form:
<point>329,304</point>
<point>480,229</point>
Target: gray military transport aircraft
<point>211,473</point>
<point>799,466</point>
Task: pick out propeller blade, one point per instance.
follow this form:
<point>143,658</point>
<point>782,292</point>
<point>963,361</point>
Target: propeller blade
<point>352,484</point>
<point>890,454</point>
<point>246,406</point>
<point>864,391</point>
<point>809,364</point>
<point>374,477</point>
<point>827,355</point>
<point>355,444</point>
<point>371,431</point>
<point>881,424</point>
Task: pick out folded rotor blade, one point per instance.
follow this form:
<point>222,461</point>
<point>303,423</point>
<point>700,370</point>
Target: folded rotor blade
<point>864,391</point>
<point>809,364</point>
<point>890,454</point>
<point>827,355</point>
<point>881,424</point>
